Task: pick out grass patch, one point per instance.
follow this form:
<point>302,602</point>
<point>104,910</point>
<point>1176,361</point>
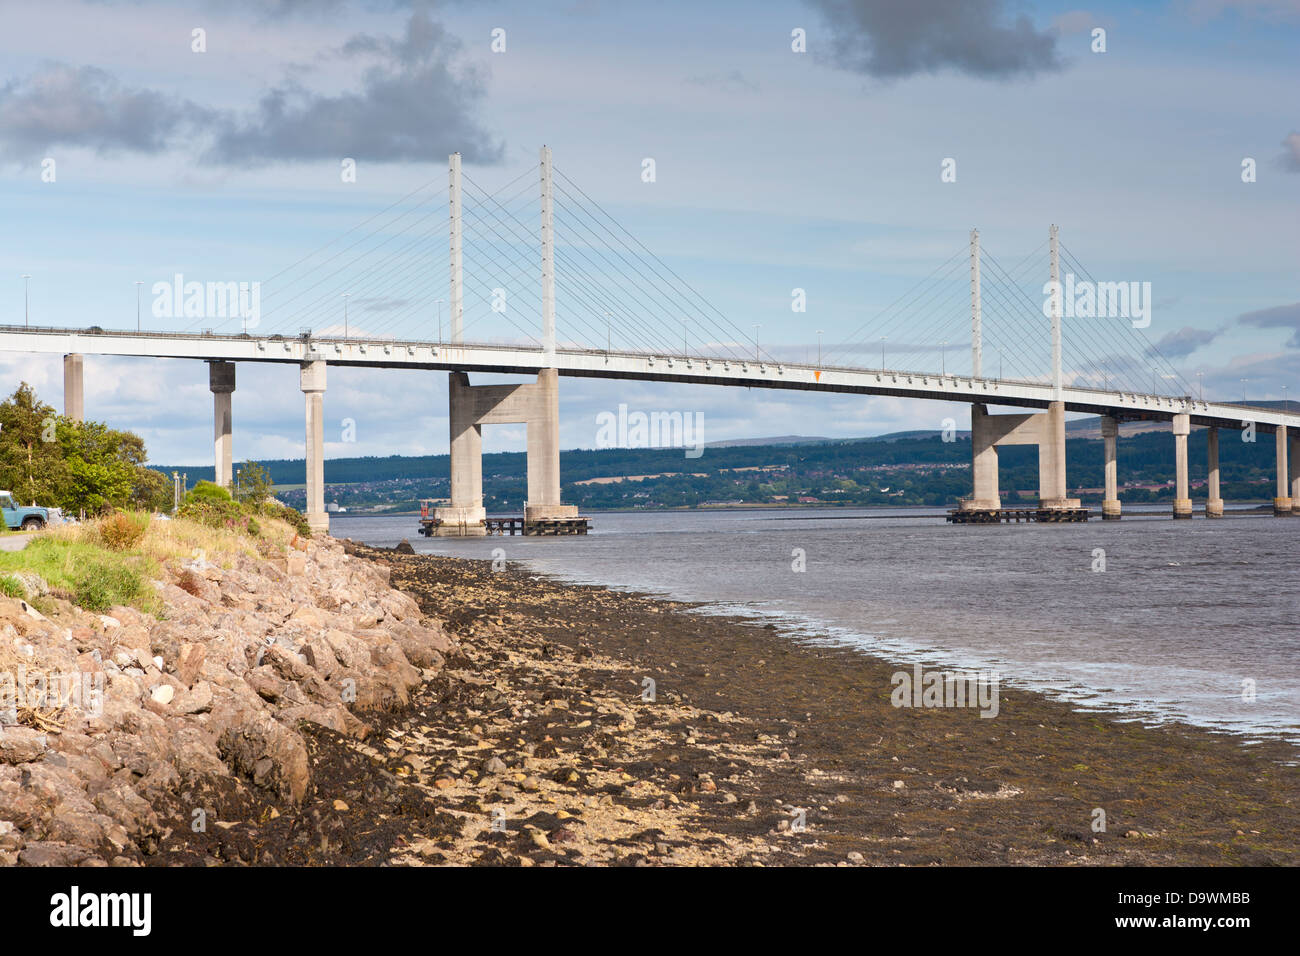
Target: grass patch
<point>79,568</point>
<point>10,587</point>
<point>111,562</point>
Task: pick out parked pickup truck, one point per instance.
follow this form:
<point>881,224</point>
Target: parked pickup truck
<point>16,516</point>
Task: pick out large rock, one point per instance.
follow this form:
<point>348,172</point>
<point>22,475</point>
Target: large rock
<point>274,757</point>
<point>22,745</point>
<point>189,663</point>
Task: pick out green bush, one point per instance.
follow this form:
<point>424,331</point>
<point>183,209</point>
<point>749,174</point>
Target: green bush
<point>290,516</point>
<point>121,531</point>
<point>207,491</point>
<point>99,585</point>
<point>215,512</point>
<point>10,587</point>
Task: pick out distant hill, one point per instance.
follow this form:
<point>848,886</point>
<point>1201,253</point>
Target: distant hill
<point>397,478</point>
<point>781,440</point>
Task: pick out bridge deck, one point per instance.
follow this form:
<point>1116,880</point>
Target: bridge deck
<point>593,363</point>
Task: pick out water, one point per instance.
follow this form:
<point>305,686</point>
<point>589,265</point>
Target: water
<point>1183,613</point>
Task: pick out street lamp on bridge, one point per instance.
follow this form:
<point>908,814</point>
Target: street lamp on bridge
<point>345,315</point>
<point>26,314</point>
<point>819,348</point>
<point>943,358</point>
<point>756,328</point>
<point>138,283</point>
<point>439,302</point>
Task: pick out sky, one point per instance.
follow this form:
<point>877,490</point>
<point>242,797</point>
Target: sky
<point>844,148</point>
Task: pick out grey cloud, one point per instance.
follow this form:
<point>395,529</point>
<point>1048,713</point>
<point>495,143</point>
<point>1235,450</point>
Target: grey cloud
<point>61,105</point>
<point>733,80</point>
<point>888,40</point>
<point>1183,342</point>
<point>1290,158</point>
<point>1074,21</point>
<point>413,105</point>
<point>381,303</point>
<point>1278,317</point>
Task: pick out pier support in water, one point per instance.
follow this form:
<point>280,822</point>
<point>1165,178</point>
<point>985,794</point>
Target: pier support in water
<point>1283,502</point>
<point>1295,472</point>
<point>1182,427</point>
<point>1110,505</point>
<point>74,389</point>
<point>1044,429</point>
<point>313,389</point>
<point>535,404</point>
<point>1214,503</point>
<point>221,381</point>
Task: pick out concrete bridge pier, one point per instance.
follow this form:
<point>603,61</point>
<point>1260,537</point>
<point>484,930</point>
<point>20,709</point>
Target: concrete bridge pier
<point>74,390</point>
<point>221,380</point>
<point>1214,503</point>
<point>1110,505</point>
<point>535,404</point>
<point>1182,501</point>
<point>1044,429</point>
<point>465,515</point>
<point>1295,473</point>
<point>1051,460</point>
<point>544,452</point>
<point>1282,503</point>
<point>313,388</point>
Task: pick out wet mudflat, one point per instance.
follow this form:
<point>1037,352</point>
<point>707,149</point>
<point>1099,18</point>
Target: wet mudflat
<point>535,746</point>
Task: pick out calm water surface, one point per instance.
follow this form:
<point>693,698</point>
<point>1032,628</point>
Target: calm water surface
<point>1183,613</point>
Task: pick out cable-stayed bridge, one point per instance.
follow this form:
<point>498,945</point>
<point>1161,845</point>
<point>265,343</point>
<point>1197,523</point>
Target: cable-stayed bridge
<point>449,280</point>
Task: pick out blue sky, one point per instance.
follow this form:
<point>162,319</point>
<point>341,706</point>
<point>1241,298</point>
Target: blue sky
<point>775,170</point>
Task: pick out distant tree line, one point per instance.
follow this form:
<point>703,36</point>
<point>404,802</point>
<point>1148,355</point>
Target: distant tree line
<point>921,470</point>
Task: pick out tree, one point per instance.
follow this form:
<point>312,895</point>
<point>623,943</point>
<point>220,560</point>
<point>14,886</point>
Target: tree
<point>252,484</point>
<point>102,462</point>
<point>31,464</point>
<point>74,466</point>
<point>152,490</point>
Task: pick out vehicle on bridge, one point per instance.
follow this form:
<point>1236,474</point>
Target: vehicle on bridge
<point>20,518</point>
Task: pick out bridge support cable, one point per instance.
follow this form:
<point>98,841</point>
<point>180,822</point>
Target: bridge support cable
<point>421,290</point>
<point>852,340</point>
<point>1074,353</point>
<point>1149,348</point>
<point>629,299</point>
<point>584,299</point>
<point>283,307</point>
<point>655,294</point>
<point>583,296</point>
<point>945,320</point>
<point>1006,332</point>
<point>374,277</point>
<point>683,289</point>
<point>521,231</point>
<point>1118,370</point>
<point>1018,303</point>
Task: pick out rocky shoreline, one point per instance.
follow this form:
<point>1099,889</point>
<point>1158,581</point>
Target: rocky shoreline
<point>346,705</point>
<point>126,737</point>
